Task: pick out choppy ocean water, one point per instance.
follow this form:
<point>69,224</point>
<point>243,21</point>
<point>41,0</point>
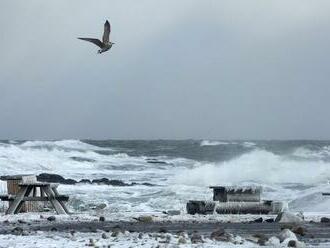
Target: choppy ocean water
<point>294,171</point>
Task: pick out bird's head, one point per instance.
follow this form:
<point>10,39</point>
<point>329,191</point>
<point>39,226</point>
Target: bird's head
<point>112,43</point>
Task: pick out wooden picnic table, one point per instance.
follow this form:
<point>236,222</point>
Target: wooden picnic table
<point>48,192</point>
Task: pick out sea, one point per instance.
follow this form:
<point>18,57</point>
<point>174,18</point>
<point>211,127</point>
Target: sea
<point>175,171</point>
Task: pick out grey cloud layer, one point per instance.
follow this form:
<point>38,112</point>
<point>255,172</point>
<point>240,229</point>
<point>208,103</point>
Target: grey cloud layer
<point>179,69</point>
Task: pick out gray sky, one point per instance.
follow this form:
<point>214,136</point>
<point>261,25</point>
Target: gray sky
<point>179,69</point>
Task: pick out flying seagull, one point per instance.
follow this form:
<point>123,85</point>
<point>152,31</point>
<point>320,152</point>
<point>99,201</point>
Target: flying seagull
<point>105,44</point>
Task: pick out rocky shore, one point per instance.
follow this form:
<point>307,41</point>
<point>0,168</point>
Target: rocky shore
<point>55,178</point>
<point>149,231</point>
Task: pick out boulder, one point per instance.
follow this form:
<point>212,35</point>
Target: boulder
<point>54,178</point>
<point>106,181</point>
<point>269,220</point>
<point>262,239</point>
<point>105,236</point>
<point>299,230</point>
<point>182,240</point>
<point>155,161</point>
<point>221,235</point>
<point>259,220</point>
<point>81,159</point>
<point>273,242</point>
<point>51,218</point>
<point>118,183</point>
<point>296,243</point>
<point>287,217</point>
<point>87,181</point>
<point>145,219</point>
<point>325,220</point>
<point>286,234</point>
<point>196,238</point>
<point>17,231</point>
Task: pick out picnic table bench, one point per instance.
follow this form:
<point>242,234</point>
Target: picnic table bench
<point>48,192</point>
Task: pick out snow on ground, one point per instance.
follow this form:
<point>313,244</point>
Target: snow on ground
<point>127,239</point>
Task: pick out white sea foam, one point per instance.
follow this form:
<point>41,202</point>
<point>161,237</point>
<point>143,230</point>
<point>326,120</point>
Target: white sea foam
<point>64,144</point>
<point>304,152</point>
<point>249,144</point>
<point>213,143</point>
<point>257,166</point>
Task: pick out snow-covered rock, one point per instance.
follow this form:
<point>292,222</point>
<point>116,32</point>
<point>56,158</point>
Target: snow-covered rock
<point>287,217</point>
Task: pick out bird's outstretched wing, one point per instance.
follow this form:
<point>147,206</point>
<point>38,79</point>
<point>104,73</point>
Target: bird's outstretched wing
<point>106,33</point>
<point>95,41</point>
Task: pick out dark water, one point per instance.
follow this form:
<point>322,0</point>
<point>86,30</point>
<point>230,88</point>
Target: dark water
<point>192,149</point>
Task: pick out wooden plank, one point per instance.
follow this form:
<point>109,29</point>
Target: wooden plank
<point>51,195</point>
<point>20,205</point>
<point>37,198</point>
<point>19,197</point>
<point>37,184</point>
<point>61,201</point>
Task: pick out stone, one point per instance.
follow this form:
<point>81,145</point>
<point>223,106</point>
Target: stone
<point>221,235</point>
<point>80,159</point>
<point>21,221</point>
<point>325,220</point>
<point>115,233</point>
<point>182,240</point>
<point>53,229</point>
<point>286,234</point>
<point>273,242</point>
<point>140,236</point>
<point>259,220</point>
<point>104,236</point>
<point>287,217</point>
<point>102,218</point>
<point>51,218</point>
<point>106,181</point>
<point>145,219</point>
<point>296,243</point>
<point>54,178</point>
<point>299,230</point>
<point>86,181</point>
<point>17,231</point>
<point>100,206</point>
<point>262,239</point>
<point>91,242</point>
<point>269,220</point>
<point>196,238</point>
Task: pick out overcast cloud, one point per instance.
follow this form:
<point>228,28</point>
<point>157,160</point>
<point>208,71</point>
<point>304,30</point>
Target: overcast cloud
<point>179,69</point>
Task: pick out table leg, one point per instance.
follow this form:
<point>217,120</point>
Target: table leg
<point>62,203</point>
<point>20,205</point>
<point>51,196</point>
<point>18,200</point>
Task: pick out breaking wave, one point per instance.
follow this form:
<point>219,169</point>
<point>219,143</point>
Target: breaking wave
<point>60,144</point>
<point>257,166</point>
<point>213,143</point>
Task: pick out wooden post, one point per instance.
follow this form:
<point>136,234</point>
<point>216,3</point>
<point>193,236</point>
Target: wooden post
<point>51,196</point>
<point>13,188</point>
